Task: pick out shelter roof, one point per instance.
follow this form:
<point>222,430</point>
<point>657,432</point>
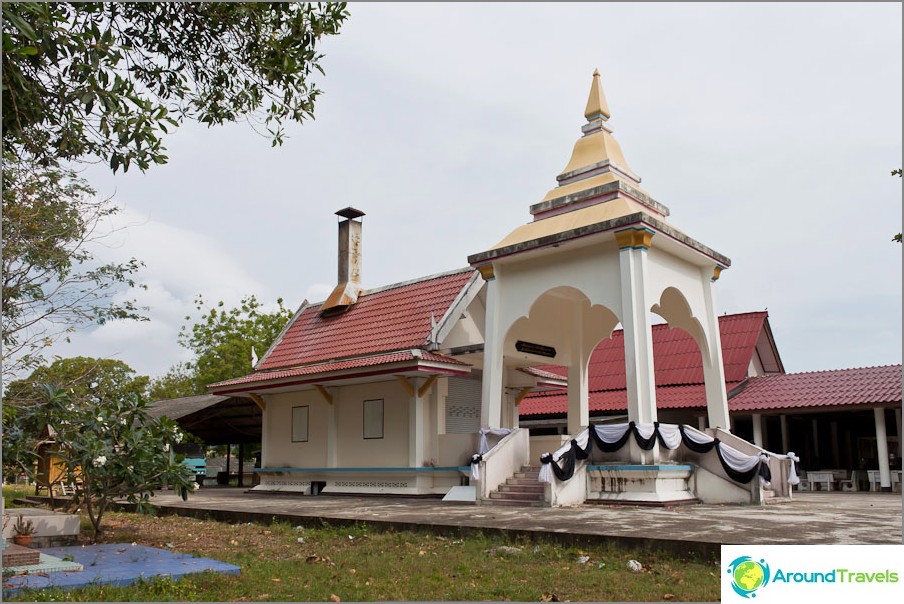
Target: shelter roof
<point>217,420</point>
<point>817,389</point>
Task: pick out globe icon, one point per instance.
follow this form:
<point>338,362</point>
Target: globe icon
<point>748,575</point>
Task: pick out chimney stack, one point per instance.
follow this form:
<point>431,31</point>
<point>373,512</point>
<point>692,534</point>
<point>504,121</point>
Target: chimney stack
<point>349,282</point>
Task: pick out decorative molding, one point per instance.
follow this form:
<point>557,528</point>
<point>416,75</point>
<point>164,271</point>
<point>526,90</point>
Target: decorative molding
<point>634,238</point>
<point>487,272</point>
<point>324,393</point>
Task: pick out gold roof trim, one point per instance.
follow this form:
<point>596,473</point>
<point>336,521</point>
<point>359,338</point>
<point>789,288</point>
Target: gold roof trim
<point>575,219</point>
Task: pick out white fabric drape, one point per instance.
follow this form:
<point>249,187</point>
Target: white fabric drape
<point>483,445</point>
<point>582,438</point>
<point>646,430</point>
<point>740,462</point>
<point>671,435</point>
<point>793,478</point>
<point>545,473</point>
<point>475,471</point>
<point>610,433</point>
<point>701,438</point>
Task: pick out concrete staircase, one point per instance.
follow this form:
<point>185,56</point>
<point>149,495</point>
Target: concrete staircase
<point>522,489</point>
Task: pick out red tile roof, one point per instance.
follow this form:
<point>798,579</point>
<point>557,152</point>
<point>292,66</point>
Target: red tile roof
<point>416,359</point>
<point>677,361</point>
<point>676,355</point>
<point>862,386</point>
<point>384,320</point>
<point>667,397</point>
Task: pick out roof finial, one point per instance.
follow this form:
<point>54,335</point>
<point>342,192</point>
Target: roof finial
<point>596,104</point>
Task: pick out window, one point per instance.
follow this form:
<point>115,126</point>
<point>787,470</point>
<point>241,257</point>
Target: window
<point>373,418</point>
<point>300,424</point>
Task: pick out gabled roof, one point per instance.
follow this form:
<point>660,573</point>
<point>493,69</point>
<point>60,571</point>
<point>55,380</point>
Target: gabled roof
<point>383,320</point>
<point>840,387</point>
<point>387,326</point>
<point>677,361</point>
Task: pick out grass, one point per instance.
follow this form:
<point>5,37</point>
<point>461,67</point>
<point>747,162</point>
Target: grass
<point>284,563</point>
<point>12,491</point>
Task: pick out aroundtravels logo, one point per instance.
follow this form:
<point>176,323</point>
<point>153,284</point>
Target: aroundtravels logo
<point>748,575</point>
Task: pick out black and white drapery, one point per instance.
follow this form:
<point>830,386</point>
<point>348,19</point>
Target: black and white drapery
<point>483,447</point>
<point>609,438</point>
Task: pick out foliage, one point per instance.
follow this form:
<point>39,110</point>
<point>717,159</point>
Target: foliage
<point>178,381</point>
<point>223,338</point>
<point>83,378</point>
<point>52,283</point>
<point>106,80</point>
<point>110,448</point>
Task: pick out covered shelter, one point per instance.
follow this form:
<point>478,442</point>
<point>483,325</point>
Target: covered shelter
<point>216,420</point>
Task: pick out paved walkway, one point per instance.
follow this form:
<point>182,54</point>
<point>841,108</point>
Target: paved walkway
<point>811,518</point>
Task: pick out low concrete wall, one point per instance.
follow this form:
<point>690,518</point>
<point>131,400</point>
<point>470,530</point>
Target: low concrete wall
<point>51,528</point>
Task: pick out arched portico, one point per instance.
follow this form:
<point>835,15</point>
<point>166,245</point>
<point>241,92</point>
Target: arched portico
<point>598,252</point>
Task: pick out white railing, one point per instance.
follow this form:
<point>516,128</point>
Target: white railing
<point>502,461</point>
<point>779,465</point>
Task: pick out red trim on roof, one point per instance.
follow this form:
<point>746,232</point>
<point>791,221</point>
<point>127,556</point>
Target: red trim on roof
<point>839,387</point>
<point>396,362</point>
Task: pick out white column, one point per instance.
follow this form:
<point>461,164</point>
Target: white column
<point>641,382</point>
<point>578,401</point>
<point>265,430</point>
<point>898,428</point>
<point>882,449</point>
<point>757,429</point>
<point>416,426</point>
<point>786,445</point>
<point>701,423</point>
<point>493,366</point>
<point>713,370</point>
<point>332,431</point>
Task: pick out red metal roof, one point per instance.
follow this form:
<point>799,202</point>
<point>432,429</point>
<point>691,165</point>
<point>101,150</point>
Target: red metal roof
<point>417,358</point>
<point>861,386</point>
<point>390,319</point>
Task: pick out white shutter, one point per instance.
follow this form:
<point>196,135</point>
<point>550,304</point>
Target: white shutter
<point>463,406</point>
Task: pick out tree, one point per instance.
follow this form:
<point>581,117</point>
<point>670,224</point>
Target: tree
<point>109,447</point>
<point>106,80</point>
<point>83,378</point>
<point>222,339</point>
<point>51,282</point>
<point>177,382</point>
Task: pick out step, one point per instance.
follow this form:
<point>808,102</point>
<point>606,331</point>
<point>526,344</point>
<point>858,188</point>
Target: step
<point>526,482</point>
<point>536,489</point>
<point>516,496</point>
<point>513,502</point>
<point>16,555</point>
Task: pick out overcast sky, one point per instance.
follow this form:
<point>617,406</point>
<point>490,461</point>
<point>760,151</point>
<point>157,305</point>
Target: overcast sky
<point>769,130</point>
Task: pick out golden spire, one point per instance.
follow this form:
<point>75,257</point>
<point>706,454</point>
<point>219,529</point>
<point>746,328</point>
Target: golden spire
<point>596,104</point>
